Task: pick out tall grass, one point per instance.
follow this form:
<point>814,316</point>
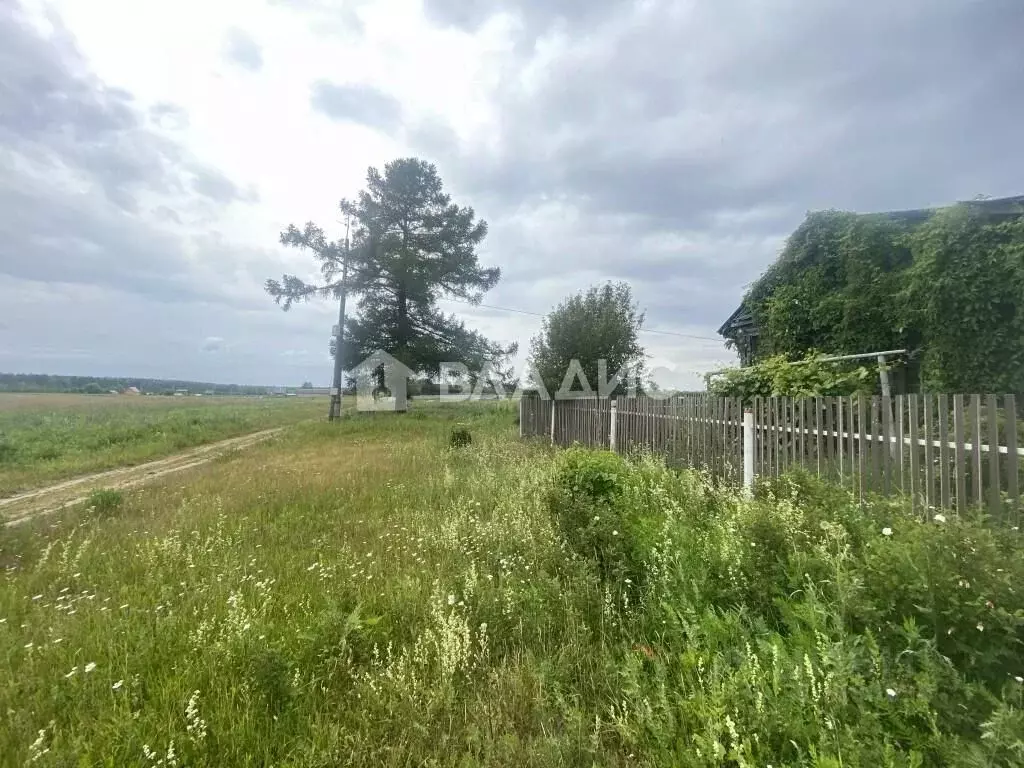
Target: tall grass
<point>367,594</point>
<point>43,444</point>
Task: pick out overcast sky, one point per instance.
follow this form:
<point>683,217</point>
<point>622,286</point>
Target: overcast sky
<point>150,153</point>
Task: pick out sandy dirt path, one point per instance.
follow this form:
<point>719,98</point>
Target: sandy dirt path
<point>52,498</point>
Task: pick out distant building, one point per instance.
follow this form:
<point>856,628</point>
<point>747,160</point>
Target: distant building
<point>130,391</point>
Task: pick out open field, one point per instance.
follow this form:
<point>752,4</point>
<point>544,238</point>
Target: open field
<point>45,438</point>
<point>363,594</point>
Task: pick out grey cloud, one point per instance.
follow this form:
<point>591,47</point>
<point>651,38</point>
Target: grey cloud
<point>213,184</point>
<point>721,124</point>
<point>329,17</point>
<point>55,113</point>
<point>170,116</point>
<point>790,108</point>
<point>357,103</point>
<point>168,214</point>
<point>535,15</point>
<point>212,344</point>
<point>240,48</point>
<point>76,160</point>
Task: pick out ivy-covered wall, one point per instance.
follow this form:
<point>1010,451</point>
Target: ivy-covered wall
<point>946,284</point>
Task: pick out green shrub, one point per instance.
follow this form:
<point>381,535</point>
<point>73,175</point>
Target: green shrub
<point>105,501</point>
<point>460,437</point>
<point>602,505</point>
<point>8,450</point>
<point>829,631</point>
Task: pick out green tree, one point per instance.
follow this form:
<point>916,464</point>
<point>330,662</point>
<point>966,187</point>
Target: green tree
<point>411,246</point>
<point>417,247</point>
<point>601,323</point>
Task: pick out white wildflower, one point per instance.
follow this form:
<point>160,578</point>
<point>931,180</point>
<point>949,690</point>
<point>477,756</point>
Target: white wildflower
<point>1019,679</point>
<point>615,533</point>
<point>939,518</point>
<point>90,666</point>
<point>451,599</point>
<point>981,627</point>
<point>74,669</point>
<point>117,686</point>
<point>887,531</point>
<point>890,692</point>
<point>194,724</point>
<point>36,749</point>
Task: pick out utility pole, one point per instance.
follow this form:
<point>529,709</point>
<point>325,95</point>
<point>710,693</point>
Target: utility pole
<point>334,413</point>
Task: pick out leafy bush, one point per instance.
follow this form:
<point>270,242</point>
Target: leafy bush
<point>105,501</point>
<point>778,377</point>
<point>8,449</point>
<point>801,627</point>
<point>612,511</point>
<point>460,437</point>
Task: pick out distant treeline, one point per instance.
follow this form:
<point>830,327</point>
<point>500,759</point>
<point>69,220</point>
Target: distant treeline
<point>42,382</point>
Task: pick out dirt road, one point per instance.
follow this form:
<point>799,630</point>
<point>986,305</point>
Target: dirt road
<point>25,506</point>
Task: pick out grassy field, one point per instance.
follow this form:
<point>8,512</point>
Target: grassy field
<point>45,438</point>
<point>362,594</point>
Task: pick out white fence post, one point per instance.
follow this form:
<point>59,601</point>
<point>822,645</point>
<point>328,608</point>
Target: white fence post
<point>611,432</point>
<point>748,452</point>
<point>552,421</point>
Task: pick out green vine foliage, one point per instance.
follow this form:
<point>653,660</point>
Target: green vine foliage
<point>949,283</point>
<point>779,377</point>
<point>965,291</point>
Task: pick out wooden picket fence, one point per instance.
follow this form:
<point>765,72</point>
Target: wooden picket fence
<point>940,451</point>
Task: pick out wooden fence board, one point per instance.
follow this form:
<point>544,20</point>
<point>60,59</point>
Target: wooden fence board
<point>944,479</point>
<point>873,479</point>
<point>960,468</point>
<point>994,488</point>
<point>977,489</point>
<point>901,411</point>
<point>928,459</point>
<point>886,452</point>
<point>817,421</point>
<point>1012,460</point>
<point>862,458</point>
<point>914,483</point>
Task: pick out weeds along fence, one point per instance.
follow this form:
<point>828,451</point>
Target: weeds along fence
<point>941,451</point>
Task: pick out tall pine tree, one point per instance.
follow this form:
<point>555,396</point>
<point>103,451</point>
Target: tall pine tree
<point>411,246</point>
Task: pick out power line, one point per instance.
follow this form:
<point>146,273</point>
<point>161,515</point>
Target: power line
<point>539,314</point>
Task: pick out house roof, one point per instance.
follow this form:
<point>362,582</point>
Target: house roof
<point>739,319</point>
<point>1000,206</point>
